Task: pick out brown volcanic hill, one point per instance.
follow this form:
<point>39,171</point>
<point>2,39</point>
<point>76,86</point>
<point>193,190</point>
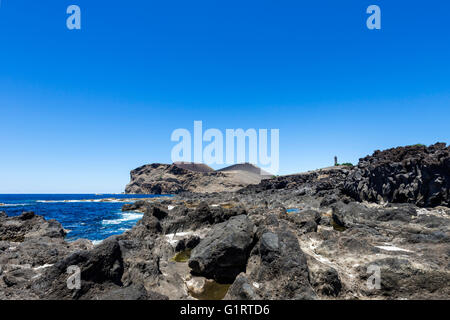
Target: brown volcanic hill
<point>159,178</point>
<point>247,167</point>
<point>196,167</point>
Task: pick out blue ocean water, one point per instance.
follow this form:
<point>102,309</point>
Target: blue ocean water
<point>85,215</point>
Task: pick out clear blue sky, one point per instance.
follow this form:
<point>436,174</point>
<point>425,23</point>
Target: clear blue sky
<point>80,109</point>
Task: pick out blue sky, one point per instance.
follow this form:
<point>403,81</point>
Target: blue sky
<point>80,109</point>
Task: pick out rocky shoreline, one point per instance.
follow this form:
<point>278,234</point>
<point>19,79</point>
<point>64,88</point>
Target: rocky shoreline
<point>316,235</point>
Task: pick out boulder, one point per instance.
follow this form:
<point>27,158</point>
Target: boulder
<point>139,205</point>
<point>203,215</point>
<point>100,268</point>
<point>401,279</point>
<point>277,270</point>
<point>324,279</point>
<point>192,242</point>
<point>223,253</point>
<point>305,220</point>
<point>27,226</point>
<point>157,211</point>
<point>241,289</point>
<point>149,225</point>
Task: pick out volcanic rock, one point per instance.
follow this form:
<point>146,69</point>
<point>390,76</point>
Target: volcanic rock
<point>223,253</point>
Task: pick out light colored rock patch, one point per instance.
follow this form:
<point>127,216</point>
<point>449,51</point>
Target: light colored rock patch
<point>43,267</point>
<point>392,248</point>
<point>173,238</point>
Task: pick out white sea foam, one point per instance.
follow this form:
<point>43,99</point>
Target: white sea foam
<point>128,216</point>
<point>87,200</point>
<point>114,231</point>
<point>173,238</point>
<point>14,204</point>
<point>58,201</point>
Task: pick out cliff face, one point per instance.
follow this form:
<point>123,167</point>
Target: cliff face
<point>172,179</point>
<point>197,167</point>
<point>412,174</point>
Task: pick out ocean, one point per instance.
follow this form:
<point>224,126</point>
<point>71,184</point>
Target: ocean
<point>86,216</point>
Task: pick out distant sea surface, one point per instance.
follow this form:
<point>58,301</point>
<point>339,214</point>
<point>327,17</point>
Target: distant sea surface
<point>87,216</point>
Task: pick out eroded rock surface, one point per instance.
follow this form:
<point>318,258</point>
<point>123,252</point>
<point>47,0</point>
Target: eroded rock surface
<point>159,178</point>
<point>306,236</point>
<point>414,174</point>
<point>224,251</point>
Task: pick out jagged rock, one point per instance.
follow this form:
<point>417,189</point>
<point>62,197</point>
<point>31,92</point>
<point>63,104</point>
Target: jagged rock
<point>307,183</point>
<point>241,289</point>
<point>269,244</point>
<point>201,216</point>
<point>37,252</point>
<point>181,246</point>
<point>223,253</point>
<point>324,279</point>
<point>27,226</point>
<point>172,179</point>
<point>354,213</point>
<point>307,220</point>
<point>413,174</point>
<point>140,205</point>
<point>189,243</point>
<point>156,211</point>
<point>277,270</point>
<point>192,242</point>
<point>141,261</point>
<point>18,277</point>
<point>100,268</point>
<point>149,224</point>
<point>329,200</point>
<point>27,215</point>
<point>399,278</point>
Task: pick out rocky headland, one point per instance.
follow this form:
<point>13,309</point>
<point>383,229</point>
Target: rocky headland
<point>316,235</point>
<point>179,177</point>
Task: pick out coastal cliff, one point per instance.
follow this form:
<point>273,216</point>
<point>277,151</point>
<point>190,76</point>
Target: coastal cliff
<point>324,229</point>
<point>159,178</point>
